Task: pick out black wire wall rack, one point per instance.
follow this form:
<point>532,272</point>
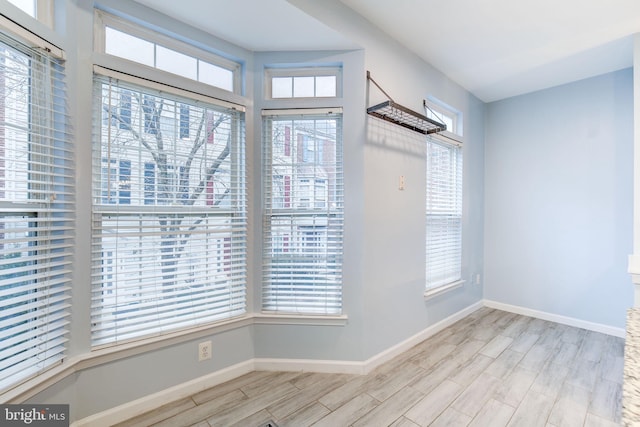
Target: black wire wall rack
<point>400,115</point>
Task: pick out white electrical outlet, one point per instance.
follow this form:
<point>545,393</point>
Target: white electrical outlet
<point>204,351</point>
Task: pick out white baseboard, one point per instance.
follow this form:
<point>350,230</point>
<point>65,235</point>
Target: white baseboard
<point>147,403</point>
<point>309,365</point>
<point>570,321</point>
<point>180,391</point>
<point>362,368</point>
<point>388,354</point>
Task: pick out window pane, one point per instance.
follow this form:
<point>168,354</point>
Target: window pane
<point>129,47</point>
<point>303,225</point>
<point>281,87</point>
<point>176,63</point>
<point>27,6</point>
<point>14,146</point>
<point>156,278</point>
<point>176,257</point>
<point>215,76</point>
<point>303,87</point>
<point>325,86</point>
<point>132,172</point>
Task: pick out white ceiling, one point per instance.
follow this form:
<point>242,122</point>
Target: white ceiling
<point>493,48</point>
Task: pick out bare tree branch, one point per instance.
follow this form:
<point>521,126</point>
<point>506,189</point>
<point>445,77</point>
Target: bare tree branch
<point>198,143</point>
<point>127,126</point>
<point>211,170</point>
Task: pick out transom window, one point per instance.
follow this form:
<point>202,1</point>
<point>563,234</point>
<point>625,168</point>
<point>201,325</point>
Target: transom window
<point>321,82</point>
<point>27,6</point>
<point>451,118</point>
<point>121,39</point>
<point>42,10</point>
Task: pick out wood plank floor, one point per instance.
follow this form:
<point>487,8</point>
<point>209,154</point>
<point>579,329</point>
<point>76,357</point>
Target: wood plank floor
<point>491,368</point>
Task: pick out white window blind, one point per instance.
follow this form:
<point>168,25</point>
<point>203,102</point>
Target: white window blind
<point>36,212</point>
<point>169,213</point>
<point>444,212</point>
<point>303,213</point>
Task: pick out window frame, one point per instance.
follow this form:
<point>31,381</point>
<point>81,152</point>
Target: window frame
<point>104,20</point>
<point>438,110</point>
<point>454,141</point>
<point>43,11</point>
<point>319,71</point>
<point>47,199</point>
<point>147,196</point>
<point>291,210</point>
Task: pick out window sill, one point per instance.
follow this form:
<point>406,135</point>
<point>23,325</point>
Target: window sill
<point>299,319</point>
<point>432,293</point>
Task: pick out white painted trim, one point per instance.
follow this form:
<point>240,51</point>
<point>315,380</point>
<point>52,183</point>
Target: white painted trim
<point>634,264</point>
<point>295,319</point>
<point>363,368</point>
<point>159,80</point>
<point>308,365</point>
<point>434,292</point>
<point>147,403</point>
<point>388,354</point>
<point>301,111</point>
<point>557,318</point>
<point>31,38</point>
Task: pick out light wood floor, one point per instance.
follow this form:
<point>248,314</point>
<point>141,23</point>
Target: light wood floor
<point>492,368</point>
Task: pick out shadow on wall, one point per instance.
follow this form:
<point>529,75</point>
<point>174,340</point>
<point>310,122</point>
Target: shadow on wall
<point>390,137</point>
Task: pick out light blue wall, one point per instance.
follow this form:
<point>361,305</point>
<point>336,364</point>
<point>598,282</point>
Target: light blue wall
<point>393,244</point>
<point>558,199</point>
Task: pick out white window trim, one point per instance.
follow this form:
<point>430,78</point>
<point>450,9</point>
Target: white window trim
<point>159,86</point>
<point>435,292</point>
<point>297,319</point>
<point>104,19</point>
<point>116,347</point>
<point>44,11</point>
<point>456,140</point>
<point>30,38</point>
<point>284,317</point>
